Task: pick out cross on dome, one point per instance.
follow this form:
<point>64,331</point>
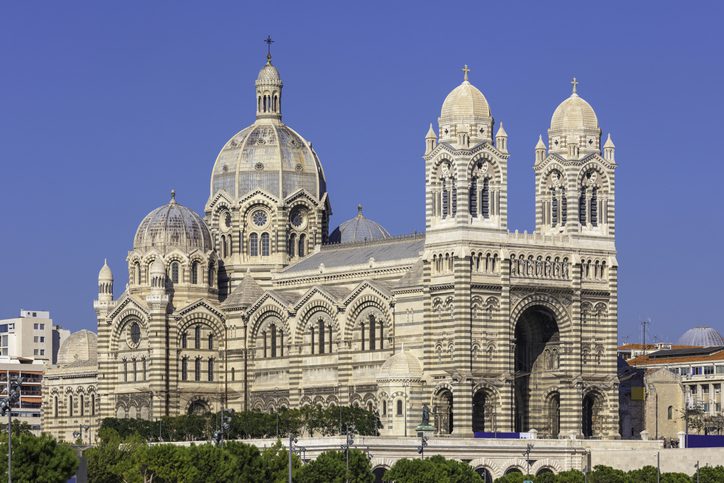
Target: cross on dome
<point>574,83</point>
<point>465,70</point>
<point>268,41</point>
<point>173,196</point>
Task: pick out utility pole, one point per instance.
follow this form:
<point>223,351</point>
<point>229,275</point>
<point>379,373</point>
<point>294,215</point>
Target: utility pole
<point>644,323</point>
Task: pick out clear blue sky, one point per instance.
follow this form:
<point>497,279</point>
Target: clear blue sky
<point>106,106</point>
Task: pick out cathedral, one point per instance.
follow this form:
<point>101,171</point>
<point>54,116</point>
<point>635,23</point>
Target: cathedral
<point>257,305</point>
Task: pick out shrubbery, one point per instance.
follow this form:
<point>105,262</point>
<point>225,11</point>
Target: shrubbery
<point>37,458</point>
<point>606,474</point>
<point>310,420</point>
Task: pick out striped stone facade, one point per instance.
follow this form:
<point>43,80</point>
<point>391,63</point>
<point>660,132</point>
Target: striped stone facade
<point>488,329</point>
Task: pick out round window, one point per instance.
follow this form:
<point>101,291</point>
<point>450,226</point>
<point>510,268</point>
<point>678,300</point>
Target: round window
<point>259,218</point>
<point>298,217</point>
<point>135,333</point>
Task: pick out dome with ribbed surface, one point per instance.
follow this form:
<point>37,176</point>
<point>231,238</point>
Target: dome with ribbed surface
<point>701,336</point>
<point>464,105</point>
<point>574,115</point>
<point>358,229</point>
<point>403,365</point>
<point>269,75</point>
<point>173,226</point>
<point>271,157</point>
<point>105,273</point>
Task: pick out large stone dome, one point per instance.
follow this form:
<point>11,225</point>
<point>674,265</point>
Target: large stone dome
<point>701,336</point>
<point>80,348</point>
<point>574,115</point>
<point>269,156</point>
<point>465,105</point>
<point>173,226</point>
<point>358,229</point>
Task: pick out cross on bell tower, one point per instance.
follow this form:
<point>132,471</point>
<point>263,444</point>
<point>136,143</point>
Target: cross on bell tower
<point>268,41</point>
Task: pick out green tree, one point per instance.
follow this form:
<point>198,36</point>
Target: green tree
<point>675,478</point>
<point>330,467</point>
<point>39,459</point>
<point>275,463</point>
<point>570,476</point>
<point>710,474</point>
<point>606,474</point>
<point>647,474</point>
<point>431,470</point>
<point>515,477</point>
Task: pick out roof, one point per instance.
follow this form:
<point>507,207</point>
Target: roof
<point>244,294</point>
<point>79,349</point>
<point>359,229</point>
<point>350,254</point>
<point>413,277</point>
<point>702,336</point>
<point>173,226</point>
<point>574,114</point>
<point>402,365</point>
<point>464,104</point>
<point>105,273</point>
<point>679,356</point>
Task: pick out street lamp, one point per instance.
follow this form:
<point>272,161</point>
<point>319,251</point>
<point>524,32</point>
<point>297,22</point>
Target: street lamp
<point>526,453</point>
<point>292,442</point>
<point>79,434</point>
<point>423,444</point>
<point>6,404</point>
<point>346,447</point>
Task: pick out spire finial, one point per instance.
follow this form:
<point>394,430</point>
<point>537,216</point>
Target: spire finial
<point>359,209</point>
<point>574,83</point>
<point>173,196</point>
<point>268,41</point>
<point>465,70</point>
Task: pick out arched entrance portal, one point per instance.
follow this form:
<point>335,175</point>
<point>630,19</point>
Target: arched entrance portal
<point>199,407</point>
<point>485,474</point>
<point>479,412</point>
<point>591,422</point>
<point>443,411</point>
<point>536,339</point>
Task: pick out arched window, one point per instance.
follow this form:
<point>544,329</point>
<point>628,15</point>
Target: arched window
<point>582,206</point>
<point>70,405</point>
<point>233,374</point>
<point>197,369</point>
<point>55,406</point>
<point>258,101</point>
<point>254,245</point>
<point>81,405</point>
<point>265,244</point>
<point>211,341</point>
<point>135,370</point>
<point>486,198</point>
<point>399,407</point>
<point>302,245</point>
<point>311,338</point>
<point>670,412</point>
<point>93,404</point>
<point>197,337</point>
<point>454,191</point>
<point>291,248</point>
<point>125,370</point>
<point>195,273</point>
<point>143,365</point>
<point>564,207</point>
<point>137,269</point>
<point>384,407</point>
<point>320,325</point>
<point>211,275</point>
<point>185,369</point>
<point>373,334</point>
<point>211,369</point>
<point>474,196</point>
<point>594,206</point>
<point>554,207</point>
<point>273,330</point>
<point>184,339</point>
<point>362,334</point>
<point>174,272</point>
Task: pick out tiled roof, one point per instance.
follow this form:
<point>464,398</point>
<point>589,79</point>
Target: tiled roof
<point>647,360</point>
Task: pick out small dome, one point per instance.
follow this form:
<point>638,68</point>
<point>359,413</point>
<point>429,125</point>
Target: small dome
<point>465,105</point>
<point>403,365</point>
<point>574,114</point>
<point>80,348</point>
<point>358,229</point>
<point>268,75</point>
<point>702,337</point>
<point>157,267</point>
<point>105,274</point>
<point>173,226</point>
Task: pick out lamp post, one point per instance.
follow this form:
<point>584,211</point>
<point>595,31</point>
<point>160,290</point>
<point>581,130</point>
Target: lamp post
<point>6,404</point>
<point>292,441</point>
<point>423,444</point>
<point>79,434</point>
<point>346,447</point>
<point>526,453</point>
